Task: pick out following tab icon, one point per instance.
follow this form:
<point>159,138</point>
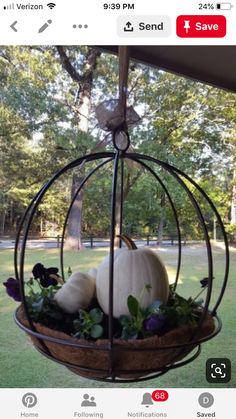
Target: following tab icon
<point>200,26</point>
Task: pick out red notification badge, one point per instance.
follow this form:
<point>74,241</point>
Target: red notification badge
<point>160,396</point>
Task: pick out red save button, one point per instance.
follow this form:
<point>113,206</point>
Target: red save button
<point>198,26</point>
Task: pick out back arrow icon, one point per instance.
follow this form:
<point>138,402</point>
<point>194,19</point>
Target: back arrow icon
<point>13,26</point>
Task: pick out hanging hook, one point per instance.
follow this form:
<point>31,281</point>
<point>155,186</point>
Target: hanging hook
<point>114,115</point>
<point>123,78</point>
<point>121,139</point>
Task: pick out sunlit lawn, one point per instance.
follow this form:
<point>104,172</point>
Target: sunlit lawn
<point>22,366</point>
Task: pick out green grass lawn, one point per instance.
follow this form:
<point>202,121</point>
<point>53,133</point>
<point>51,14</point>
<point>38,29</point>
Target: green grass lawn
<point>22,366</point>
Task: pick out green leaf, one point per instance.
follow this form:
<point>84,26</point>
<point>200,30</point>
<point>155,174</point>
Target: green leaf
<point>133,305</point>
<point>125,320</point>
<point>30,282</point>
<point>144,312</point>
<point>77,324</point>
<point>83,314</point>
<point>96,315</point>
<point>199,302</point>
<point>96,331</point>
<point>129,333</point>
<point>37,306</point>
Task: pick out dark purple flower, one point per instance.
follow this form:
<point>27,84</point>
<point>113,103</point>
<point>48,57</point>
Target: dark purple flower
<point>13,288</point>
<point>155,323</point>
<point>204,282</point>
<point>47,276</point>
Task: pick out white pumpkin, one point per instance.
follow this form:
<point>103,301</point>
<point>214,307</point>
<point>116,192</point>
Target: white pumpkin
<point>93,273</point>
<point>133,270</point>
<point>77,293</point>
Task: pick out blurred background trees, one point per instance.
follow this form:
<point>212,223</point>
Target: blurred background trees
<point>48,97</point>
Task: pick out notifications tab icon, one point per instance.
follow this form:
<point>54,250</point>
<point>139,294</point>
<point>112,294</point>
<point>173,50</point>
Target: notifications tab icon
<point>201,26</point>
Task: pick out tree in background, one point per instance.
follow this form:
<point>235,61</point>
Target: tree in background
<point>48,97</point>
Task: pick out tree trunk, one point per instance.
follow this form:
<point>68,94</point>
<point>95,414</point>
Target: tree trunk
<point>162,220</point>
<point>3,220</point>
<point>85,82</point>
<point>74,240</point>
<point>128,184</point>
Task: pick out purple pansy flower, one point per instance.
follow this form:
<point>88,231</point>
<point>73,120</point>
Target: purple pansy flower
<point>155,323</point>
<point>13,288</point>
<point>47,276</point>
<point>204,282</point>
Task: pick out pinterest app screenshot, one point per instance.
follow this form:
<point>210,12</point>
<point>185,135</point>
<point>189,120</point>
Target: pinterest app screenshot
<point>117,209</point>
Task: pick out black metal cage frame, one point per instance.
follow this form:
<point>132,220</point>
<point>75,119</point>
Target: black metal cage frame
<point>118,158</point>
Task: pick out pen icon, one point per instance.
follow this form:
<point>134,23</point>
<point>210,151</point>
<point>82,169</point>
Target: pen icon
<point>45,26</point>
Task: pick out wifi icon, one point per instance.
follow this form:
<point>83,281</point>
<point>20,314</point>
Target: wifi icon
<point>51,5</point>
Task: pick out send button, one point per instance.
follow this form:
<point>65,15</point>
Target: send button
<point>144,26</point>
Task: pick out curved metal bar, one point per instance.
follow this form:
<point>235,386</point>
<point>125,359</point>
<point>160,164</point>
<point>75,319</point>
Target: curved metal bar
<point>171,170</point>
<point>215,211</point>
<point>175,217</point>
<point>20,228</point>
<point>69,210</point>
<point>227,256</point>
<point>176,172</point>
<point>118,380</point>
<point>71,165</point>
<point>206,236</point>
<point>40,195</point>
<point>111,261</point>
<point>111,345</point>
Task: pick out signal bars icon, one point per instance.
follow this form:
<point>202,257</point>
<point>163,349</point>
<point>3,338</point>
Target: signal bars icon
<point>12,6</point>
<point>9,7</point>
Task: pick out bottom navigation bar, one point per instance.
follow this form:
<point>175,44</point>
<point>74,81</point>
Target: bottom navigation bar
<point>115,403</point>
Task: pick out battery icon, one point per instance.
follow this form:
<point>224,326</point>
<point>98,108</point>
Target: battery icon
<point>224,6</point>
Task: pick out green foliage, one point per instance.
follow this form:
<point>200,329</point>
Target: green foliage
<point>88,324</point>
<point>133,324</point>
<point>178,311</point>
<point>42,308</point>
<point>231,230</point>
<point>185,123</point>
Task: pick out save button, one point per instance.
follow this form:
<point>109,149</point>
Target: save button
<point>201,26</point>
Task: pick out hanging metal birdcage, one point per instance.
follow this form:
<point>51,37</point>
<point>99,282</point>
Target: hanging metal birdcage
<point>114,359</point>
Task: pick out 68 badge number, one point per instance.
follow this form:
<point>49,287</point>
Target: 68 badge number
<point>160,396</point>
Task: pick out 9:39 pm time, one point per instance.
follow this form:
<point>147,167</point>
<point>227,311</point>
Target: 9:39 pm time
<point>118,6</point>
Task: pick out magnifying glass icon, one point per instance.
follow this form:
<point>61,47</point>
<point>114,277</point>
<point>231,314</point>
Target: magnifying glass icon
<point>218,370</point>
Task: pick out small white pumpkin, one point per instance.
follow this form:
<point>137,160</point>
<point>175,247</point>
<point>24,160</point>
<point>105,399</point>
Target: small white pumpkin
<point>77,293</point>
<point>133,270</point>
